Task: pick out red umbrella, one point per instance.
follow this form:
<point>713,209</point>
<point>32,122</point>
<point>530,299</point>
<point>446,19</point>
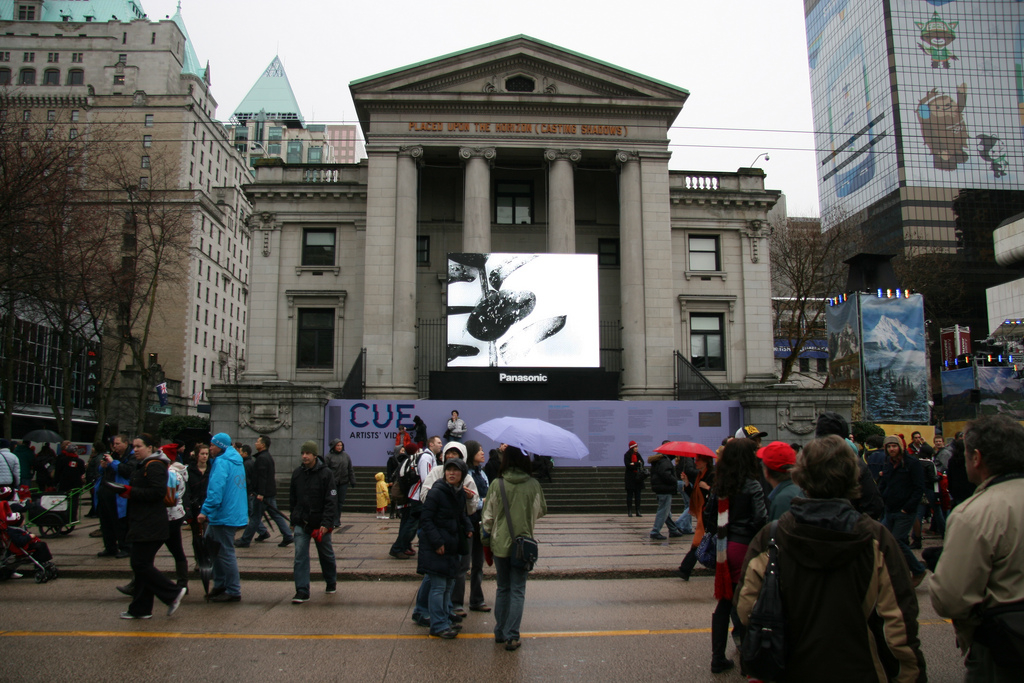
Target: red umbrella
<point>687,449</point>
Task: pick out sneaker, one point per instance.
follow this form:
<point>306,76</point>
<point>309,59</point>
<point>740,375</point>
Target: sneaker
<point>226,597</point>
<point>122,554</point>
<point>459,612</point>
<point>447,634</point>
<point>399,556</point>
<point>421,621</point>
<point>239,544</point>
<point>512,644</point>
<point>285,543</point>
<point>657,537</point>
<point>173,607</point>
<point>129,615</point>
<point>300,597</point>
<point>409,551</point>
<point>262,537</point>
<point>675,534</point>
<point>332,588</point>
<point>482,607</point>
<point>96,533</point>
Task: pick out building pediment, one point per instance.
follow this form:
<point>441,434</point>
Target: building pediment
<point>516,68</point>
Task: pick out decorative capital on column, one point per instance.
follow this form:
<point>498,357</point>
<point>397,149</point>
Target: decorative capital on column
<point>414,151</point>
<point>573,155</point>
<point>487,153</point>
<point>624,157</point>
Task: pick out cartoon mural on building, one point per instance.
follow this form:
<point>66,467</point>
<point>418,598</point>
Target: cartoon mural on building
<point>993,150</point>
<point>938,35</point>
<point>943,127</point>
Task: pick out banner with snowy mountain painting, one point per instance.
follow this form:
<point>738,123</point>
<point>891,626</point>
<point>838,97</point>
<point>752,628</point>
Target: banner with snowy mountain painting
<point>895,378</point>
<point>1000,392</point>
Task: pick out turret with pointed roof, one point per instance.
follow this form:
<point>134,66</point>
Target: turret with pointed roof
<point>273,95</point>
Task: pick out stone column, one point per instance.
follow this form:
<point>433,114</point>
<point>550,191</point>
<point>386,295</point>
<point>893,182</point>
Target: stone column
<point>264,294</point>
<point>561,200</point>
<point>390,269</point>
<point>476,207</point>
<point>631,274</point>
<point>406,214</point>
<point>757,317</point>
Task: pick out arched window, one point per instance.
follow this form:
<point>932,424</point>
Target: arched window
<point>520,84</point>
<point>51,77</point>
<point>76,77</point>
<point>28,77</point>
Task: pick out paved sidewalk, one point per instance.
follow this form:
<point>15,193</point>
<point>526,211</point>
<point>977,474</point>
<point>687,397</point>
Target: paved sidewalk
<point>577,546</point>
<point>571,546</point>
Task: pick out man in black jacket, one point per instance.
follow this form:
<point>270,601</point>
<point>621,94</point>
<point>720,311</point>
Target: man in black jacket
<point>902,486</point>
<point>263,495</point>
<point>664,484</point>
<point>314,500</point>
<point>870,502</point>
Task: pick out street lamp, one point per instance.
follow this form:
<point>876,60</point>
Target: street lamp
<point>762,154</point>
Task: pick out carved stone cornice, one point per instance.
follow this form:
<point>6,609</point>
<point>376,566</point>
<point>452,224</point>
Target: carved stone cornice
<point>756,231</point>
<point>707,302</point>
<point>322,297</point>
<point>552,155</point>
<point>264,222</point>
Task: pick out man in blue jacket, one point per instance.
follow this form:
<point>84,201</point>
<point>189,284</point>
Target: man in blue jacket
<point>226,510</point>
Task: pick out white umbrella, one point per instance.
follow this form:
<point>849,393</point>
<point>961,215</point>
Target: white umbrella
<point>535,436</point>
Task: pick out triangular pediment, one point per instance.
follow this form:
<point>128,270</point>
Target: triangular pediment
<point>517,67</point>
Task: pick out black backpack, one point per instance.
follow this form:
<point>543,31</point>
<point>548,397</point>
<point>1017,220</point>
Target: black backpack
<point>408,474</point>
<point>763,651</point>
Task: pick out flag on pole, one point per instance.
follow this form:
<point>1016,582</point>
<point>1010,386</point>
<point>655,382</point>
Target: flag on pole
<point>161,393</point>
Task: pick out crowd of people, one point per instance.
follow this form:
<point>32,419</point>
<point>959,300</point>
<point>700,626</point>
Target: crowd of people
<point>844,523</point>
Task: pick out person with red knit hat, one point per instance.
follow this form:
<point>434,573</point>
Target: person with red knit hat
<point>635,475</point>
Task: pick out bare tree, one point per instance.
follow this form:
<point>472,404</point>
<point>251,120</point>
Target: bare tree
<point>806,268</point>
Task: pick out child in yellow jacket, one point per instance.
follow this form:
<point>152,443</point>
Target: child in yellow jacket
<point>383,497</point>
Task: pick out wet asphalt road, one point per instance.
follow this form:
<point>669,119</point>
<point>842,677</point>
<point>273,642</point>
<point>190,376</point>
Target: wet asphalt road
<point>651,629</point>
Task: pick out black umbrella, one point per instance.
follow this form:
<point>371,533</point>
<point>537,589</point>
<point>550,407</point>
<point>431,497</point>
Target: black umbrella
<point>43,435</point>
<point>206,549</point>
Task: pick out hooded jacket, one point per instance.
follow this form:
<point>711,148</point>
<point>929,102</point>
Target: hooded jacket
<point>437,474</point>
<point>383,497</point>
<point>147,514</point>
<point>851,611</point>
<point>902,484</point>
<point>226,502</point>
<point>526,504</point>
<point>341,465</point>
<point>663,474</point>
<point>314,497</point>
<point>443,521</point>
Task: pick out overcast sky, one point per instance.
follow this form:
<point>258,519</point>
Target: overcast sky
<point>744,62</point>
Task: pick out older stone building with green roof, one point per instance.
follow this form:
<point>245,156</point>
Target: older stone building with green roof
<point>91,65</point>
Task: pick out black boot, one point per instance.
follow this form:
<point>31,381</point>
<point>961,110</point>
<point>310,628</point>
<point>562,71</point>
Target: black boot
<point>629,510</point>
<point>638,512</point>
<point>720,637</point>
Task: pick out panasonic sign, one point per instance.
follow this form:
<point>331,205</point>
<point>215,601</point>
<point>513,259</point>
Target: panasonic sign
<point>519,378</point>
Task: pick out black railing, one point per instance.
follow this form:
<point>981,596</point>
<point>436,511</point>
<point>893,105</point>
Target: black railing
<point>691,385</point>
<point>355,383</point>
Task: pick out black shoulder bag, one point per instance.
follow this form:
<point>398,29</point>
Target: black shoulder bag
<point>764,646</point>
<point>524,548</point>
<point>1002,627</point>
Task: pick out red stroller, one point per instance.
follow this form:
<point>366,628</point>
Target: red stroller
<point>18,547</point>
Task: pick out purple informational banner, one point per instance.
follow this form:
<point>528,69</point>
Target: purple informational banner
<point>368,427</point>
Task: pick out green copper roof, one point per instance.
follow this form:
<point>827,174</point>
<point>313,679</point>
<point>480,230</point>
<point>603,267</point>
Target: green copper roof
<point>521,36</point>
<point>190,64</point>
<point>272,93</point>
<point>79,10</point>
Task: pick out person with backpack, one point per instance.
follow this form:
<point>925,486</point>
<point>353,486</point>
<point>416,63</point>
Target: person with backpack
<point>848,602</point>
<point>411,475</point>
<point>148,529</point>
<point>930,505</point>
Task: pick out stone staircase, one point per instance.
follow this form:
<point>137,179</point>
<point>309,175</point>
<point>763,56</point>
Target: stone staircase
<point>580,490</point>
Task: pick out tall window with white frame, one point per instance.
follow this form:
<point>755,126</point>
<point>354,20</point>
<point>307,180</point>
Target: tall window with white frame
<point>315,342</point>
<point>707,348</point>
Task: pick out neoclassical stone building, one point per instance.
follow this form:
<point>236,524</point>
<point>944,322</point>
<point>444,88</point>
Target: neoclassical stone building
<point>517,146</point>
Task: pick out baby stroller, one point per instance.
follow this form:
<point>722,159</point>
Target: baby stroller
<point>56,513</point>
<point>18,548</point>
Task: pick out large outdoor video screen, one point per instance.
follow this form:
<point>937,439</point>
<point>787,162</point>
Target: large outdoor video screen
<point>523,310</point>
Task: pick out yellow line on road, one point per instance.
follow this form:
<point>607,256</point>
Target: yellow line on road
<point>358,636</point>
